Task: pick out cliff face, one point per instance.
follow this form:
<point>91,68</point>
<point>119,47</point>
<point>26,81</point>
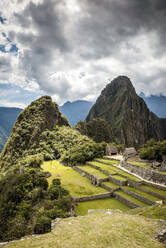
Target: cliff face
<point>42,114</point>
<point>131,121</point>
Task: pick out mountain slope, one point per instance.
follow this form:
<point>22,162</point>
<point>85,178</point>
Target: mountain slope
<point>76,111</point>
<point>157,104</point>
<point>131,121</point>
<point>41,115</point>
<point>8,117</point>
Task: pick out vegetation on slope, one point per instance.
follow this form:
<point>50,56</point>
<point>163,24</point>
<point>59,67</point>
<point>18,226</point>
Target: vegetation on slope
<point>40,133</point>
<point>27,204</point>
<point>97,129</point>
<point>153,212</point>
<point>99,231</point>
<point>153,150</point>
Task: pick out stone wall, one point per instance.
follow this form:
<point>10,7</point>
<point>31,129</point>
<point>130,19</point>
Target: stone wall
<point>125,201</point>
<point>139,197</point>
<point>92,197</point>
<point>145,173</point>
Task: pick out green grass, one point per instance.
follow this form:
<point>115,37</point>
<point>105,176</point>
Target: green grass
<point>112,169</point>
<point>106,167</point>
<point>153,212</point>
<point>120,178</point>
<point>71,180</point>
<point>112,185</point>
<point>97,231</point>
<point>93,171</point>
<point>108,161</point>
<point>141,164</point>
<point>110,203</point>
<point>129,176</point>
<point>141,193</point>
<point>131,198</point>
<point>153,189</point>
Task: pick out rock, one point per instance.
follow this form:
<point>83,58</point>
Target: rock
<point>155,165</point>
<point>161,236</point>
<point>163,166</point>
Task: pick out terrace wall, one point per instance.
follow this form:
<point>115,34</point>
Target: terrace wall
<point>139,197</point>
<point>92,197</point>
<point>125,201</point>
<point>145,173</point>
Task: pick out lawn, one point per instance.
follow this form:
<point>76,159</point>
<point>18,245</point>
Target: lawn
<point>93,171</point>
<point>154,212</point>
<point>108,161</point>
<point>110,203</point>
<point>142,193</point>
<point>71,180</point>
<point>106,167</point>
<point>119,177</point>
<point>111,185</point>
<point>97,231</point>
<point>131,198</point>
<point>138,163</point>
<point>153,189</point>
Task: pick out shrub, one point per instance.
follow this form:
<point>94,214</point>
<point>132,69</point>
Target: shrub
<point>153,150</point>
<point>43,225</point>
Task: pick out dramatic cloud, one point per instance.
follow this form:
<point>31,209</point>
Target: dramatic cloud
<point>70,49</point>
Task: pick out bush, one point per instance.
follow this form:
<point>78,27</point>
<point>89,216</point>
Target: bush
<point>43,225</point>
<point>153,150</point>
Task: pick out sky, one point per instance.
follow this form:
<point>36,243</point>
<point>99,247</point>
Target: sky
<point>71,49</point>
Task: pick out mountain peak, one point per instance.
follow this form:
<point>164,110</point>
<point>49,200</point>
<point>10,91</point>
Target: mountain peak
<point>130,119</point>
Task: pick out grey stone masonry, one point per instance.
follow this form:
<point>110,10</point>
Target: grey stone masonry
<point>145,173</point>
<point>125,201</point>
<point>92,197</point>
<point>139,197</point>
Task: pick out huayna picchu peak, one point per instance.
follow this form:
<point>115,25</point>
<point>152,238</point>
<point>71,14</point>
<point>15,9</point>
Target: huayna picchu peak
<point>127,114</point>
<point>40,115</point>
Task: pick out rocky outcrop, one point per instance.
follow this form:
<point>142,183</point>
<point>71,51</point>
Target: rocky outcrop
<point>127,114</point>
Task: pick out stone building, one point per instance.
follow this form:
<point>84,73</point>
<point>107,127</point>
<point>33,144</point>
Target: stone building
<point>111,150</point>
<point>129,152</point>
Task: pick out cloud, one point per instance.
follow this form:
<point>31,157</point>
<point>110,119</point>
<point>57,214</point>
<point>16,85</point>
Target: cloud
<point>56,40</point>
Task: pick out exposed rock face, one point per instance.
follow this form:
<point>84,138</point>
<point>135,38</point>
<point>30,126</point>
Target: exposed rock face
<point>131,121</point>
<point>40,115</point>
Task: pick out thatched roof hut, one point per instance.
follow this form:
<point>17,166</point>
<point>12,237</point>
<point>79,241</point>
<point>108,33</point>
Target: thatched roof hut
<point>111,150</point>
<point>130,152</point>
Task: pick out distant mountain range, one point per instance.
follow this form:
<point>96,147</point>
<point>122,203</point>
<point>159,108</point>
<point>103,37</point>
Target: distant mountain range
<point>156,104</point>
<point>74,111</point>
<point>8,117</point>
